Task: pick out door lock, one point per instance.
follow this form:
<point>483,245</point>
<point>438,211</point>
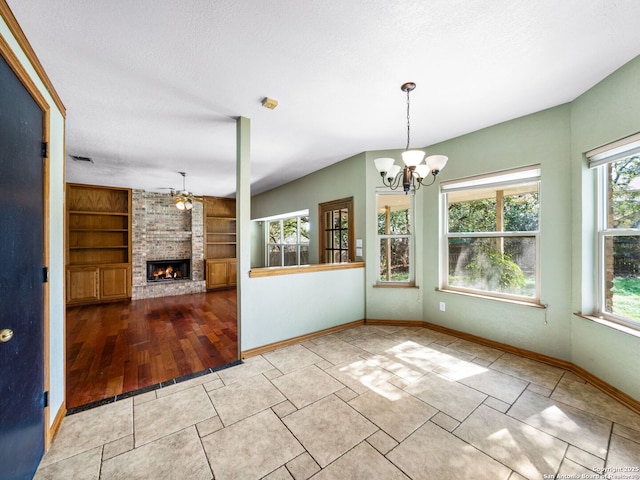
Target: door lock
<point>6,335</point>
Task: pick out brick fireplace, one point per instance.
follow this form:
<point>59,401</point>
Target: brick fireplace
<point>161,233</point>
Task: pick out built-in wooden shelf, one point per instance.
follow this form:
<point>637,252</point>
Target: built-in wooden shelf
<point>220,241</point>
<point>98,243</point>
<point>98,247</point>
<point>98,230</point>
<point>84,212</point>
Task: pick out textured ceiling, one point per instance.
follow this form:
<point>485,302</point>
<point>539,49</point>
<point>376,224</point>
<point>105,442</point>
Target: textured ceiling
<point>152,87</point>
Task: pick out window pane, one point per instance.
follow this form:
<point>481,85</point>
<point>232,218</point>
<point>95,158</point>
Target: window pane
<point>304,230</point>
<point>336,239</point>
<point>507,208</point>
<point>275,258</point>
<point>394,260</point>
<point>521,212</point>
<point>344,218</point>
<point>290,230</point>
<point>290,255</point>
<point>499,265</point>
<point>336,219</point>
<point>624,193</point>
<point>472,215</point>
<point>622,276</point>
<point>274,232</point>
<point>304,254</point>
<point>394,215</point>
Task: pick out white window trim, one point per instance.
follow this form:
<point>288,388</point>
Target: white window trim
<point>412,250</point>
<point>281,218</point>
<point>502,178</point>
<point>602,231</point>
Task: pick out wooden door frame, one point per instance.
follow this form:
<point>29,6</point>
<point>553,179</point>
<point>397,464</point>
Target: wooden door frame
<point>324,207</point>
<point>14,63</point>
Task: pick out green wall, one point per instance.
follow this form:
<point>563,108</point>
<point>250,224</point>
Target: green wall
<point>542,138</point>
<point>607,112</point>
<point>556,139</point>
<point>341,180</point>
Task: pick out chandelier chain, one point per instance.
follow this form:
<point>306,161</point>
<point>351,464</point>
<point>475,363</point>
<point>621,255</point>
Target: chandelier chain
<point>408,121</point>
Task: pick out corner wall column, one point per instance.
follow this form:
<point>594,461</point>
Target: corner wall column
<point>243,213</point>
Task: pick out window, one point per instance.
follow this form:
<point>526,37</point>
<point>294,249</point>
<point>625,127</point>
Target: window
<point>288,239</point>
<point>618,230</point>
<point>336,231</point>
<point>492,234</point>
<point>395,238</point>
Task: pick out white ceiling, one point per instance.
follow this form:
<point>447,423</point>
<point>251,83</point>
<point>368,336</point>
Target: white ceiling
<point>152,87</point>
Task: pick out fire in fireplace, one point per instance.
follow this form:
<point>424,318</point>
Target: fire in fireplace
<point>166,270</point>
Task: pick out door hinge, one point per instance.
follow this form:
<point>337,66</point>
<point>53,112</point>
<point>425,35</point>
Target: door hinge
<point>45,274</point>
<point>46,399</point>
<point>45,149</point>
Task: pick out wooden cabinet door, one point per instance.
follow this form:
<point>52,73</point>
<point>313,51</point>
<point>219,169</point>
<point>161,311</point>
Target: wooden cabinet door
<point>217,274</point>
<point>232,274</point>
<point>115,282</point>
<point>82,284</point>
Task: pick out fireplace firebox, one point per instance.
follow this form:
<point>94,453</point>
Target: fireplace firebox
<point>168,270</point>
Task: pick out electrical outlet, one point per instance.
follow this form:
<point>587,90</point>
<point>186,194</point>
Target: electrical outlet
<point>443,306</point>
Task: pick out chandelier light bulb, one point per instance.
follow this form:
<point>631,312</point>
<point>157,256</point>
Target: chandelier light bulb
<point>412,158</point>
<point>384,164</point>
<point>436,162</point>
<point>422,171</point>
<point>393,172</point>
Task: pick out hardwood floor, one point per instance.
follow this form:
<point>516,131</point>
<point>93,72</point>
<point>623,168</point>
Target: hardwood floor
<point>120,347</point>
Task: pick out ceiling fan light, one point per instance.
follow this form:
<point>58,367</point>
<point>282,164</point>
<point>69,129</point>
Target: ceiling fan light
<point>436,162</point>
<point>412,158</point>
<point>180,204</point>
<point>188,204</point>
<point>384,164</point>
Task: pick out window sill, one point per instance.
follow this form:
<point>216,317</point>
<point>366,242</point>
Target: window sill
<point>394,285</point>
<point>498,299</point>
<point>320,267</point>
<point>611,324</point>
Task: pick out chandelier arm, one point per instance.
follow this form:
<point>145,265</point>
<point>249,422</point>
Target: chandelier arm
<point>392,184</point>
<point>433,179</point>
<point>396,182</point>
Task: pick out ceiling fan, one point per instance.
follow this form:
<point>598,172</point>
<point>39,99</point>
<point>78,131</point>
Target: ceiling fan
<point>183,200</point>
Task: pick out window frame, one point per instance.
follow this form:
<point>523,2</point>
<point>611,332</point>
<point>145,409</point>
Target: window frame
<point>503,178</point>
<point>411,282</point>
<point>600,160</point>
<point>298,244</point>
<point>325,207</point>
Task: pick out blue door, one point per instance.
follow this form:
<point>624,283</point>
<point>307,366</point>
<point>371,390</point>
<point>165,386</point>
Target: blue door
<point>21,279</point>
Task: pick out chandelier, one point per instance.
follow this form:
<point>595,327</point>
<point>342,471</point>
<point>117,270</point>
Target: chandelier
<point>414,173</point>
<point>183,199</point>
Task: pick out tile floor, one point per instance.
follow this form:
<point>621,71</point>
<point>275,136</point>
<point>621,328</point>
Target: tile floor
<point>370,402</point>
